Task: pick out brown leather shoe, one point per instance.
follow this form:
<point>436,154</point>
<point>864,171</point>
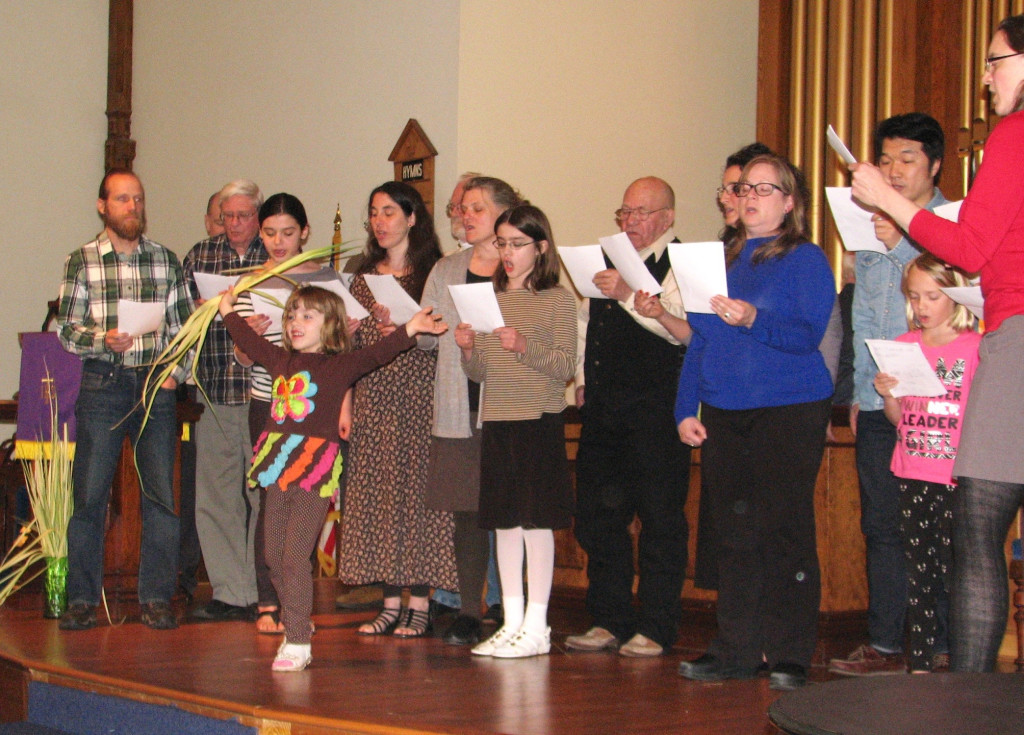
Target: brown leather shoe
<point>868,661</point>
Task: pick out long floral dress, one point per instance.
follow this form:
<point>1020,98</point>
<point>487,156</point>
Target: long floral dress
<point>388,535</point>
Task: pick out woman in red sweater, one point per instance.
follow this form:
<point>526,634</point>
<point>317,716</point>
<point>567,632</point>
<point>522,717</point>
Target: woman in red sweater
<point>989,237</point>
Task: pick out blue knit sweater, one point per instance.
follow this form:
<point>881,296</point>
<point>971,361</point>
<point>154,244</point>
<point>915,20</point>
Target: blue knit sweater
<point>776,361</point>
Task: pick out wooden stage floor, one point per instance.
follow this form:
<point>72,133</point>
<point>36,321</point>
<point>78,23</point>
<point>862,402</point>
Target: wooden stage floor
<point>382,685</point>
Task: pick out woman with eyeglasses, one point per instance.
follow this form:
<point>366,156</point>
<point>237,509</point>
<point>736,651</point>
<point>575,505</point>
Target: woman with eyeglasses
<point>989,237</point>
<point>525,489</point>
<point>453,474</point>
<point>754,393</point>
<point>388,534</point>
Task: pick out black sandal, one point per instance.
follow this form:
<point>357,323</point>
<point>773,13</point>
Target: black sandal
<point>385,622</point>
<point>417,621</point>
<point>275,617</point>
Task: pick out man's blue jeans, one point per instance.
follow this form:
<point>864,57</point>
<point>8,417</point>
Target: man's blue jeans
<point>880,513</point>
<point>108,410</point>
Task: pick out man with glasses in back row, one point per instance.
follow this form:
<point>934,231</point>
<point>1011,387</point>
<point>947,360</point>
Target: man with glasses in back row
<point>226,511</point>
<point>631,462</point>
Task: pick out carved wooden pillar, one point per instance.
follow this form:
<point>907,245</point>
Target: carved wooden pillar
<point>120,148</point>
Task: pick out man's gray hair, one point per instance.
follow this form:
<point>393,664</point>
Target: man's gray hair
<point>242,187</point>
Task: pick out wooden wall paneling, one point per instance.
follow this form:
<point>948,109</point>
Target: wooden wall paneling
<point>119,151</point>
<point>773,71</point>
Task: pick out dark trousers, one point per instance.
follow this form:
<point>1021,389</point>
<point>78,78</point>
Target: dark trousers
<point>761,466</point>
<point>926,519</point>
<point>982,513</point>
<point>632,464</point>
<point>879,521</point>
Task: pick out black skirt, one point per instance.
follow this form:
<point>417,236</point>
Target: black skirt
<point>524,474</point>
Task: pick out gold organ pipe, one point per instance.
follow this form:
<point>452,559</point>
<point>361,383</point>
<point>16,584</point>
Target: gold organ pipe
<point>864,80</point>
<point>886,13</point>
<point>837,112</point>
<point>814,144</point>
<point>797,79</point>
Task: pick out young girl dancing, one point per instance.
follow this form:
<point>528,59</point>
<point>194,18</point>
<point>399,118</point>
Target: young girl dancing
<point>297,459</point>
<point>525,491</point>
<point>929,433</point>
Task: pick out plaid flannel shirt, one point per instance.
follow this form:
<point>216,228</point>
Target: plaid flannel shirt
<point>225,381</point>
<point>96,277</point>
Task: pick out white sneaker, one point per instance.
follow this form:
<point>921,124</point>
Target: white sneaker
<point>487,647</point>
<point>525,643</point>
<point>292,657</point>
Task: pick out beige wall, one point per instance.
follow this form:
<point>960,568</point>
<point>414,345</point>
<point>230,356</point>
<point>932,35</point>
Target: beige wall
<point>52,127</point>
<point>307,97</point>
<point>569,101</point>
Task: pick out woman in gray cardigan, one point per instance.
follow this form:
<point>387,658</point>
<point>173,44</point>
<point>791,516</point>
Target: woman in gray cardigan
<point>453,481</point>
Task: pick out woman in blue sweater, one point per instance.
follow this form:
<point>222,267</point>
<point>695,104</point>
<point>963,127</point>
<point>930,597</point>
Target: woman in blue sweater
<point>754,370</point>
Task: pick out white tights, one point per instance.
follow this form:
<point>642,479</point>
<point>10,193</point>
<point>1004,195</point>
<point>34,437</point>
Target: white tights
<point>540,569</point>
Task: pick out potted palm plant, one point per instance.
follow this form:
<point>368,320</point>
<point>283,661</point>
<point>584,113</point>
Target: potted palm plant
<point>50,488</point>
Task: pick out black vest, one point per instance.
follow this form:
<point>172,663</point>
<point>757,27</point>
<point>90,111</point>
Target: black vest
<point>624,363</point>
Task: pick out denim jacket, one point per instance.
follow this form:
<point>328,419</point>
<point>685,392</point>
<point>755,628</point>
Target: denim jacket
<point>879,310</point>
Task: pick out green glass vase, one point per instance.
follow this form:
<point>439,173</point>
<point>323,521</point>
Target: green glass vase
<point>55,587</point>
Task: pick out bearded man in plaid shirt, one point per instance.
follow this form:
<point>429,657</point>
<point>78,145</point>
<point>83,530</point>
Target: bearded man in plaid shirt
<point>122,264</point>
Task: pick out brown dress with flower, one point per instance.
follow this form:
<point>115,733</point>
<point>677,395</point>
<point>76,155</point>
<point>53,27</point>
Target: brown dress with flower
<point>388,535</point>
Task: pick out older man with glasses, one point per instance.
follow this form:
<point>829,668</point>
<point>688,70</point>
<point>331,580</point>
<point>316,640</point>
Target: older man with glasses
<point>226,512</point>
<point>631,463</point>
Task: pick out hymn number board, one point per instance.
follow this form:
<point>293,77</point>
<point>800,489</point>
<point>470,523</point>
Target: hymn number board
<point>413,157</point>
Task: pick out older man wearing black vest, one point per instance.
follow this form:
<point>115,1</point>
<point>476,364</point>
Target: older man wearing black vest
<point>631,462</point>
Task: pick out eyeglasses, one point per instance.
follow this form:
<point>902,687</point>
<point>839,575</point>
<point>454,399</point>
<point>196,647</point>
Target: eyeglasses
<point>993,59</point>
<point>624,213</point>
<point>240,216</point>
<point>763,189</point>
<point>452,209</point>
<point>511,244</point>
<point>727,189</point>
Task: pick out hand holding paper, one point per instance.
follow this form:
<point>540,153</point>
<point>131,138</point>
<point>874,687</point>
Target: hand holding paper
<point>584,262</point>
<point>626,260</point>
<point>388,291</point>
<point>906,362</point>
<point>477,306</point>
<point>699,269</point>
<point>138,317</point>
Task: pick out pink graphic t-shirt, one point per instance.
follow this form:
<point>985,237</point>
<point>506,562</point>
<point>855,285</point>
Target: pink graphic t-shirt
<point>929,429</point>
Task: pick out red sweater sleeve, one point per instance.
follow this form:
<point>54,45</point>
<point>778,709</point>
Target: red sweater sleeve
<point>989,236</point>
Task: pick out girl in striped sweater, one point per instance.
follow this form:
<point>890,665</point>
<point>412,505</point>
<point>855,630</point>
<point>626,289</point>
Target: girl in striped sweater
<point>525,491</point>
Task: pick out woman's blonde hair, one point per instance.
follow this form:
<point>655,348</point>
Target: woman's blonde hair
<point>334,336</point>
<point>947,277</point>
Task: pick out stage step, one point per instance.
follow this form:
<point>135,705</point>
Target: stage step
<point>77,712</point>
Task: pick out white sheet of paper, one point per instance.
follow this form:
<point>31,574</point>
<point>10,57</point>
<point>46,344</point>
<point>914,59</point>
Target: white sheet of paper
<point>627,262</point>
<point>352,307</point>
<point>969,296</point>
<point>839,146</point>
<point>137,317</point>
<point>477,306</point>
<point>347,278</point>
<point>852,220</point>
<point>699,268</point>
<point>583,262</point>
<point>906,362</point>
<point>211,284</point>
<point>388,291</point>
<point>949,210</point>
<point>265,304</point>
